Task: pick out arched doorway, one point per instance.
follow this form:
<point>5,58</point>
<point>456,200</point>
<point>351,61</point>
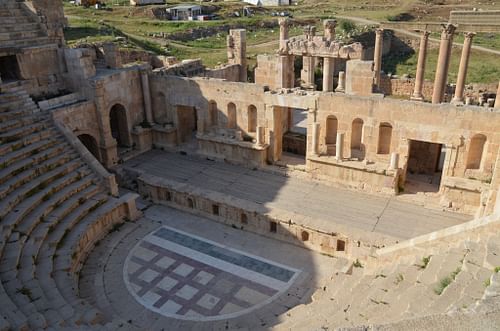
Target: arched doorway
<point>252,118</point>
<point>119,125</point>
<point>91,144</point>
<point>231,116</point>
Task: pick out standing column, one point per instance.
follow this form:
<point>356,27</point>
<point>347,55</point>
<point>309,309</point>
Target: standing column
<point>462,71</point>
<point>284,28</point>
<point>443,63</point>
<point>315,138</point>
<point>307,73</point>
<point>377,55</point>
<point>260,135</point>
<point>497,100</point>
<point>147,96</point>
<point>341,85</point>
<point>328,70</point>
<point>329,29</point>
<point>339,146</point>
<point>422,56</point>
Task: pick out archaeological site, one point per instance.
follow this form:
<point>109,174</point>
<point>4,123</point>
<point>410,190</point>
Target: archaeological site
<point>303,189</point>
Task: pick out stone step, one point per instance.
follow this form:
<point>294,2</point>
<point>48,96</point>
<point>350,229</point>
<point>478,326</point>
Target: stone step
<point>19,27</point>
<point>23,300</point>
<point>19,122</point>
<point>17,20</point>
<point>28,147</point>
<point>18,133</point>
<point>24,199</point>
<point>40,233</point>
<point>17,168</point>
<point>28,42</point>
<point>13,102</point>
<point>10,312</point>
<point>31,172</point>
<point>21,35</point>
<point>19,112</point>
<point>59,283</point>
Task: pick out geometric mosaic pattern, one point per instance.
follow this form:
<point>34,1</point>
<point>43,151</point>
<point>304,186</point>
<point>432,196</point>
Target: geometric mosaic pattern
<point>183,276</point>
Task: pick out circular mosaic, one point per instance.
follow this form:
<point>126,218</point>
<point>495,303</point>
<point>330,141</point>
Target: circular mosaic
<point>186,277</point>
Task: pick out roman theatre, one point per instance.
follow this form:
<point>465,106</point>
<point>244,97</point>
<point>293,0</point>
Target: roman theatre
<point>165,195</point>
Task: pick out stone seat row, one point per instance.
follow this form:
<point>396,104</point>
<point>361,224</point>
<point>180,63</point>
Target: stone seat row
<point>49,201</point>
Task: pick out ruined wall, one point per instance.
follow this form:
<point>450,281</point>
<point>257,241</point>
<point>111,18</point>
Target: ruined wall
<point>230,72</point>
<point>51,15</point>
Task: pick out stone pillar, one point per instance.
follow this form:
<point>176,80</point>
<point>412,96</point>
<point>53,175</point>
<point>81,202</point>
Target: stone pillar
<point>497,100</point>
<point>112,55</point>
<point>341,85</point>
<point>260,135</point>
<point>307,73</point>
<point>147,96</point>
<point>422,56</point>
<point>377,55</point>
<point>237,50</point>
<point>394,161</point>
<point>462,71</point>
<point>284,27</point>
<point>315,139</point>
<point>329,28</point>
<point>443,63</point>
<point>328,70</point>
<point>339,146</point>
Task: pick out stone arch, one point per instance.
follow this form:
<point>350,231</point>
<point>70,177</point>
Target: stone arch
<point>476,151</point>
<point>231,115</point>
<point>331,130</point>
<point>357,134</point>
<point>384,138</point>
<point>119,125</point>
<point>213,113</point>
<point>252,118</point>
<point>91,144</point>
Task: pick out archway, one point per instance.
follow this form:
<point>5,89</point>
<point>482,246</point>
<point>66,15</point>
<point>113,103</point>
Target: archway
<point>119,125</point>
<point>91,144</point>
<point>476,151</point>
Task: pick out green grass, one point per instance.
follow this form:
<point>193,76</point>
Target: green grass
<point>446,281</point>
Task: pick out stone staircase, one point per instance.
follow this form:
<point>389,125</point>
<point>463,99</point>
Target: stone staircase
<point>440,280</point>
<point>18,28</point>
<point>49,200</point>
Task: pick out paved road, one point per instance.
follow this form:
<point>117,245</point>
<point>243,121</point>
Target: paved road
<point>302,196</point>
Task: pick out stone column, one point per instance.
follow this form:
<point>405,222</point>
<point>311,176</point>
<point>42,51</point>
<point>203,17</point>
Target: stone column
<point>147,96</point>
<point>260,135</point>
<point>284,27</point>
<point>377,55</point>
<point>394,161</point>
<point>329,28</point>
<point>422,56</point>
<point>497,100</point>
<point>328,70</point>
<point>462,71</point>
<point>237,49</point>
<point>341,85</point>
<point>443,63</point>
<point>339,146</point>
<point>315,139</point>
<point>307,73</point>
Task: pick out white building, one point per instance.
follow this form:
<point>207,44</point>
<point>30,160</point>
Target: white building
<point>184,12</point>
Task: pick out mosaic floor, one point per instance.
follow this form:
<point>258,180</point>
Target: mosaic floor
<point>186,277</point>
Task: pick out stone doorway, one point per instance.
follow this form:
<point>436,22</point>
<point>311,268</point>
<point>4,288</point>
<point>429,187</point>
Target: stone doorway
<point>119,125</point>
<point>425,166</point>
<point>9,69</point>
<point>294,136</point>
<point>187,123</point>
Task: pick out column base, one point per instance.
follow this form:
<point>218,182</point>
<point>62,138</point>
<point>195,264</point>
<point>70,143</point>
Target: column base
<point>417,98</point>
<point>458,102</point>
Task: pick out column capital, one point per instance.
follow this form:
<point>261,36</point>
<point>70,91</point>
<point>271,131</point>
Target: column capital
<point>448,30</point>
<point>284,22</point>
<point>469,35</point>
<point>379,31</point>
<point>426,34</point>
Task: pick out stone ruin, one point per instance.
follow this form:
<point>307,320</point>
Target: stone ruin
<point>69,119</point>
